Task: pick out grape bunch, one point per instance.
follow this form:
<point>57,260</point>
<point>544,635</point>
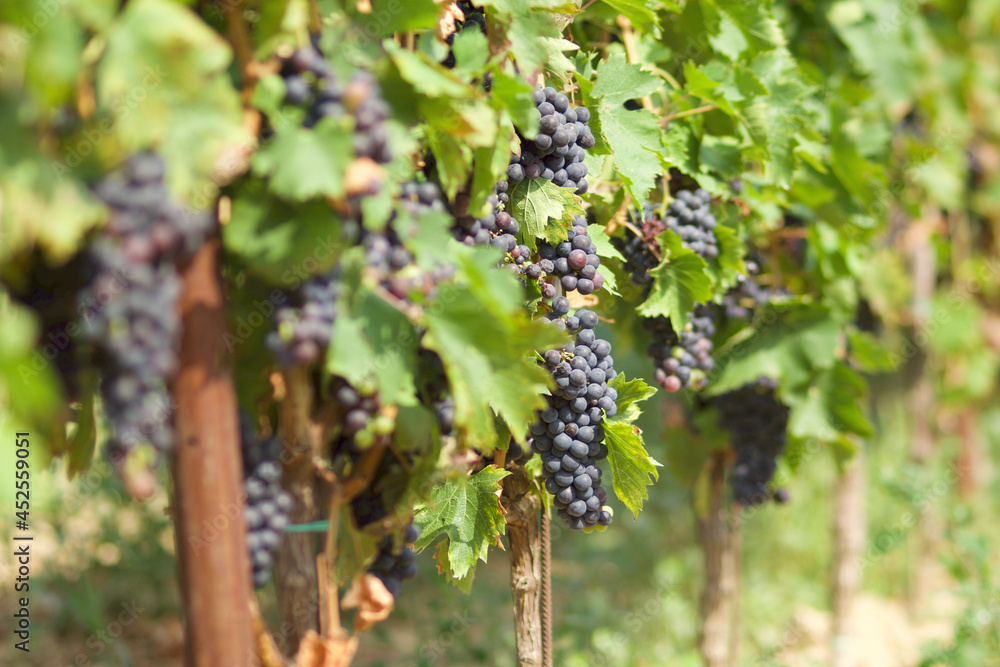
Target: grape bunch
<point>497,228</point>
<point>568,434</point>
<point>557,152</point>
<point>360,421</point>
<point>757,420</point>
<point>130,302</point>
<point>690,217</point>
<point>392,568</point>
<point>574,262</point>
<point>267,505</point>
<point>311,84</point>
<point>682,359</point>
<point>740,302</point>
<point>304,326</point>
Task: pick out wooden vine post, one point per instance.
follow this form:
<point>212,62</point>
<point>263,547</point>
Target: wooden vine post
<point>719,593</point>
<point>207,474</point>
<point>523,537</point>
<point>849,535</point>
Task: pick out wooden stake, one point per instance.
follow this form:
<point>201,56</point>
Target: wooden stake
<point>207,472</point>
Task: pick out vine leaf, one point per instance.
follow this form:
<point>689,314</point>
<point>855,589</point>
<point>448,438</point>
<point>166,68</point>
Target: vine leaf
<point>680,281</point>
<point>269,234</point>
<point>467,511</point>
<point>633,138</point>
<point>480,332</point>
<point>728,265</point>
<point>305,163</point>
<point>630,392</point>
<point>829,406</point>
<point>631,465</point>
<point>188,105</point>
<point>790,342</point>
<point>544,210</point>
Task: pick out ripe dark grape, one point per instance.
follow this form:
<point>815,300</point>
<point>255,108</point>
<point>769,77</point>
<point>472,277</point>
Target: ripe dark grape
<point>393,567</point>
<point>129,304</point>
<point>757,421</point>
<point>568,434</point>
<point>267,506</point>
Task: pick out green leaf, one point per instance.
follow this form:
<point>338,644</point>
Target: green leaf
<point>728,265</point>
<point>389,16</point>
<point>789,342</point>
<point>373,339</point>
<point>630,392</point>
<point>471,50</point>
<point>869,354</point>
<point>634,138</point>
<point>631,466</point>
<point>636,11</point>
<point>464,326</point>
<point>755,21</point>
<point>277,240</point>
<point>467,511</point>
<point>425,76</point>
<point>543,209</point>
<point>829,407</point>
<point>618,81</point>
<point>305,163</point>
<point>514,96</point>
<point>680,281</point>
<point>445,568</point>
<point>721,155</point>
<point>164,80</point>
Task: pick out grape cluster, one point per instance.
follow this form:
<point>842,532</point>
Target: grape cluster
<point>757,420</point>
<point>568,434</point>
<point>497,228</point>
<point>360,420</point>
<point>574,262</point>
<point>311,84</point>
<point>557,152</point>
<point>267,505</point>
<point>682,359</point>
<point>740,302</point>
<point>303,326</point>
<point>392,568</point>
<point>130,302</point>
